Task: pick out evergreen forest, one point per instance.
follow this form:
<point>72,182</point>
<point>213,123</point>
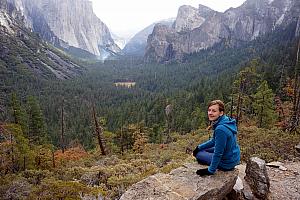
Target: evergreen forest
<point>58,137</point>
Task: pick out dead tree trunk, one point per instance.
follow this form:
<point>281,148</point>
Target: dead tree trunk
<point>53,159</point>
<point>99,133</point>
<point>12,154</point>
<point>24,163</point>
<point>261,113</point>
<point>122,141</point>
<point>168,111</point>
<point>231,106</point>
<point>62,137</point>
<point>294,121</point>
<point>240,100</point>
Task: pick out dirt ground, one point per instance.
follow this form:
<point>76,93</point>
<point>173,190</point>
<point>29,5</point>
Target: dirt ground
<point>285,184</point>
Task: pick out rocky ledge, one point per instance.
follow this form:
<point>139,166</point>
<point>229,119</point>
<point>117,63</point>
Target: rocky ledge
<point>183,183</point>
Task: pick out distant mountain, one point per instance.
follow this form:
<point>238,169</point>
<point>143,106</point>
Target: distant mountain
<point>68,24</point>
<point>197,29</point>
<point>189,18</point>
<point>120,41</point>
<point>23,53</point>
<point>137,44</point>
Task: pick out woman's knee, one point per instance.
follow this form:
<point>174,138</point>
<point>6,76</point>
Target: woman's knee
<point>204,157</point>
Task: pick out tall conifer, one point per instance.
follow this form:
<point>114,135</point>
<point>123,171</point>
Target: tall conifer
<point>264,105</point>
<point>37,126</point>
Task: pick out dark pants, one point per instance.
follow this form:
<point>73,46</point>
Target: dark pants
<point>204,157</point>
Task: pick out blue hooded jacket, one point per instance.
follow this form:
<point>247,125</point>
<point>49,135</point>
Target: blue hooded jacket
<point>226,149</point>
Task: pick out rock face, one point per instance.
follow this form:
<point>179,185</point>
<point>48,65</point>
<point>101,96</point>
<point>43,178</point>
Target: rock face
<point>68,23</point>
<point>162,44</point>
<point>9,17</point>
<point>183,183</point>
<point>195,30</point>
<point>189,18</point>
<point>137,44</point>
<point>19,48</point>
<point>257,177</point>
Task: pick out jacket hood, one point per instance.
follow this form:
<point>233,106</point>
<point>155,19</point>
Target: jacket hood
<point>227,122</point>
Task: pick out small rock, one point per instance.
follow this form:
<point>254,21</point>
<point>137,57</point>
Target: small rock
<point>297,147</point>
<point>282,168</point>
<point>248,195</point>
<point>237,192</point>
<point>275,164</point>
<point>238,185</point>
<point>296,173</point>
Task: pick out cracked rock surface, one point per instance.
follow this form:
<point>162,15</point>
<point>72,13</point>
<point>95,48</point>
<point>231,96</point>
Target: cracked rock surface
<point>183,183</point>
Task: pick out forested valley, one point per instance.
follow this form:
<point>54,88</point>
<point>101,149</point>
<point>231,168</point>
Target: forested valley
<point>52,132</point>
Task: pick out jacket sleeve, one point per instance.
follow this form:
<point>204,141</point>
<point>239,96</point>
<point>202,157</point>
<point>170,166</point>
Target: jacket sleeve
<point>208,144</point>
<point>220,144</point>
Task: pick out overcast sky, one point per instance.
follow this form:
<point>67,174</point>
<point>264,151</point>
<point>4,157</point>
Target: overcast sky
<point>126,17</point>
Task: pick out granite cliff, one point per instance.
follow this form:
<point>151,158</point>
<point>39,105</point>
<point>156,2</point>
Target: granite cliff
<point>68,23</point>
<point>23,53</point>
<point>197,29</point>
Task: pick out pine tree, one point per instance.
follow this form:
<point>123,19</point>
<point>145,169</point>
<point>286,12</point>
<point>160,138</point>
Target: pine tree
<point>198,118</point>
<point>264,105</point>
<point>20,157</point>
<point>140,137</point>
<point>155,135</point>
<point>37,126</point>
<point>140,140</point>
<point>19,113</point>
<point>169,116</point>
<point>244,86</point>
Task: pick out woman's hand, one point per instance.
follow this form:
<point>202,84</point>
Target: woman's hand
<point>203,172</point>
<point>196,151</point>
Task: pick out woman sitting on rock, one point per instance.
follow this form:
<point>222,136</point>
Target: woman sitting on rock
<point>222,151</point>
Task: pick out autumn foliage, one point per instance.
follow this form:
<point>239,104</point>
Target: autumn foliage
<point>71,154</point>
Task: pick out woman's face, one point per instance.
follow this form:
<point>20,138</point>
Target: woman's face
<point>214,113</point>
